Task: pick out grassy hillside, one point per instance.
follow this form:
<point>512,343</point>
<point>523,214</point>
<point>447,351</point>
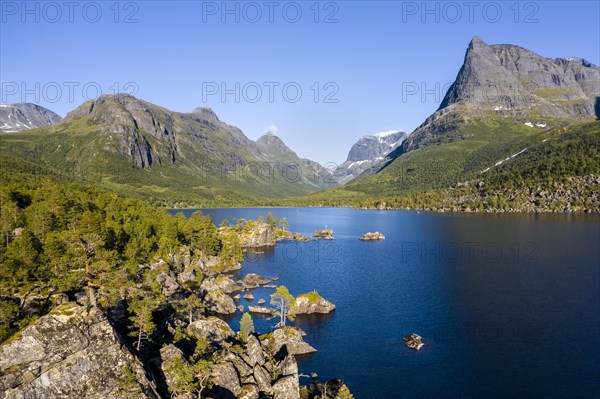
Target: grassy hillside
<point>79,150</point>
<point>455,174</point>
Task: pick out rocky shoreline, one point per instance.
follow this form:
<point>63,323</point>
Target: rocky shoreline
<point>80,351</point>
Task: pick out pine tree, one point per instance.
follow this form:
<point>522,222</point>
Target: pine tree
<point>344,393</point>
<point>246,325</point>
<point>284,301</point>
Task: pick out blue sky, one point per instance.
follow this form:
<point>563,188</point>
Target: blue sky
<point>324,73</point>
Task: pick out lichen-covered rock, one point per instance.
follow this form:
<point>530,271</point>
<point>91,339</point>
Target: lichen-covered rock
<point>211,328</point>
<point>262,379</point>
<point>254,280</point>
<point>249,391</point>
<point>215,299</point>
<point>71,353</point>
<point>291,338</point>
<point>260,309</point>
<point>226,379</point>
<point>254,351</point>
<point>286,388</point>
<point>171,357</point>
<point>261,235</point>
<point>312,303</point>
<point>370,236</point>
<point>226,284</point>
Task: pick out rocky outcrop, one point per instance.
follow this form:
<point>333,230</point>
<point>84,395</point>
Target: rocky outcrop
<point>367,152</point>
<point>25,116</point>
<point>291,338</point>
<point>259,236</point>
<point>261,309</point>
<point>212,328</point>
<point>326,233</point>
<point>71,353</point>
<point>509,81</point>
<point>312,302</point>
<point>226,284</point>
<point>413,341</point>
<point>254,280</point>
<point>215,299</point>
<point>372,236</point>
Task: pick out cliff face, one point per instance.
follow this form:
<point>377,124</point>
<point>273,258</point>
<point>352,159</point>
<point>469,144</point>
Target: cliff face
<point>367,152</point>
<point>509,81</point>
<point>71,353</point>
<point>508,77</point>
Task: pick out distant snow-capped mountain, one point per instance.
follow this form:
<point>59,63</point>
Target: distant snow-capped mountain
<point>25,116</point>
<point>367,152</point>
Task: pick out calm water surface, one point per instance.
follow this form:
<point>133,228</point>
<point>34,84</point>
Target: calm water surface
<point>508,305</point>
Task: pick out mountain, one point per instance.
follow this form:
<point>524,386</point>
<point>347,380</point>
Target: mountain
<point>25,116</point>
<point>145,150</point>
<point>367,152</point>
<point>512,82</point>
<point>505,104</point>
<point>272,148</point>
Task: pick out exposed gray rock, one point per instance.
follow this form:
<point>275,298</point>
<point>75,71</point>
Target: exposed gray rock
<point>261,235</point>
<point>215,299</point>
<point>255,352</point>
<point>24,116</point>
<point>254,280</point>
<point>291,338</point>
<point>211,328</point>
<point>226,284</point>
<point>286,388</point>
<point>512,82</point>
<point>367,152</point>
<point>312,303</point>
<point>170,357</point>
<point>262,379</point>
<point>225,376</point>
<point>260,309</point>
<point>376,236</point>
<point>69,353</point>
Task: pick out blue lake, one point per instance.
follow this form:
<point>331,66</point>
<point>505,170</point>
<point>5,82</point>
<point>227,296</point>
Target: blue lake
<point>508,305</point>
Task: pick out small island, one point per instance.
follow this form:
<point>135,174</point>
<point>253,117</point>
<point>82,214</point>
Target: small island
<point>376,236</point>
<point>326,233</point>
<point>413,341</point>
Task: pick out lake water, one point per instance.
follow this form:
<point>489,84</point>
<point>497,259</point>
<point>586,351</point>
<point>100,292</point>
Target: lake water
<point>508,305</point>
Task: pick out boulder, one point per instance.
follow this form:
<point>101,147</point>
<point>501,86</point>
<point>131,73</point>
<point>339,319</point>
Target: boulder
<point>261,301</point>
<point>286,388</point>
<point>171,357</point>
<point>248,391</point>
<point>216,300</point>
<point>226,284</point>
<point>249,297</point>
<point>211,328</point>
<point>254,280</point>
<point>255,352</point>
<point>291,338</point>
<point>70,353</point>
<point>312,303</point>
<point>226,378</point>
<point>263,380</point>
<point>413,341</point>
<point>260,309</point>
<point>219,302</point>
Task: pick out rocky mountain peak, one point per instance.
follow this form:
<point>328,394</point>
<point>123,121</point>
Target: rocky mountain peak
<point>25,116</point>
<point>206,113</point>
<point>509,78</point>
